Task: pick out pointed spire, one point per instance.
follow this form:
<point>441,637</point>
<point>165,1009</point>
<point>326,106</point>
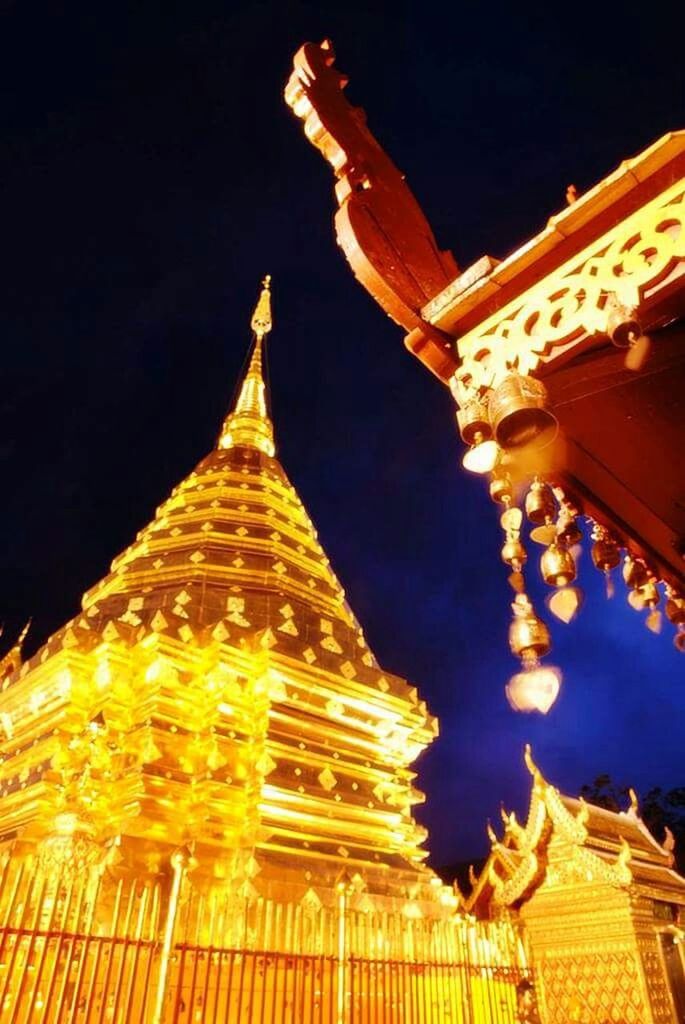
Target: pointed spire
<point>13,659</point>
<point>249,423</point>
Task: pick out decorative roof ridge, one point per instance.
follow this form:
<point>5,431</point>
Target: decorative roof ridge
<point>638,821</point>
<point>13,658</point>
<point>581,820</point>
<point>520,854</point>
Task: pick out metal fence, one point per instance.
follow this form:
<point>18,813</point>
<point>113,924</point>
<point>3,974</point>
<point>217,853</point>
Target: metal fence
<point>68,954</point>
<point>234,986</point>
<point>84,947</point>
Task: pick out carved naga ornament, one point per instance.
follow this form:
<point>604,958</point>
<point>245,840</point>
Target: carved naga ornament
<point>379,225</point>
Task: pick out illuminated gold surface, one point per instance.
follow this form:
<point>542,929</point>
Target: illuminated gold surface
<point>216,689</point>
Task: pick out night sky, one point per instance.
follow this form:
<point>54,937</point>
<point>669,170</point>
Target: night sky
<point>151,173</point>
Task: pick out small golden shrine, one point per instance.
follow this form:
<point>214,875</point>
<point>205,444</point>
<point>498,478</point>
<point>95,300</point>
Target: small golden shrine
<point>207,790</point>
<point>602,906</point>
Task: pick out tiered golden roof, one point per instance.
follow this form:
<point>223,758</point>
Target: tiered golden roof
<point>217,690</point>
<point>565,842</point>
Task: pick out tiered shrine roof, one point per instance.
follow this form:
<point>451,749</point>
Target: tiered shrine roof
<point>566,841</point>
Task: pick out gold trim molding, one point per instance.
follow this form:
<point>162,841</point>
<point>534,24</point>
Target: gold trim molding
<point>572,305</point>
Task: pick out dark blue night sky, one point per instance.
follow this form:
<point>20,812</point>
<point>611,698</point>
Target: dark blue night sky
<point>151,174</point>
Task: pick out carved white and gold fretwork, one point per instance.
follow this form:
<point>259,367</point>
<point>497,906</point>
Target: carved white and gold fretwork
<point>571,305</point>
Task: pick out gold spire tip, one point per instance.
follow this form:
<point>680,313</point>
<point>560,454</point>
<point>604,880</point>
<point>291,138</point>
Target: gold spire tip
<point>248,424</point>
<point>261,322</point>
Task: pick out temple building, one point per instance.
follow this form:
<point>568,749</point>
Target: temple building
<point>207,779</point>
<point>207,788</point>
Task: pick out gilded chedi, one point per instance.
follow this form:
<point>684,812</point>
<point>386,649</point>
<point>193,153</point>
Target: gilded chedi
<point>217,690</point>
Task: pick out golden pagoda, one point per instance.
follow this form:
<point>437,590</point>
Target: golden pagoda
<point>207,789</point>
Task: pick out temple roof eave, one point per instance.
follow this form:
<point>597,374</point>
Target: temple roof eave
<point>607,829</point>
<point>574,227</point>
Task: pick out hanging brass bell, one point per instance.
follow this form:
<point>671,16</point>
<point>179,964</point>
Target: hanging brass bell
<point>519,414</point>
<point>605,554</point>
<point>473,421</point>
<point>529,637</point>
<point>625,331</point>
<point>650,593</point>
<point>474,427</point>
<point>557,566</point>
<point>540,503</point>
<point>511,520</point>
<point>622,327</point>
<point>501,490</point>
<point>647,596</point>
<point>675,609</point>
<point>514,553</point>
<point>675,613</point>
<point>635,572</point>
<point>652,598</point>
<point>568,531</point>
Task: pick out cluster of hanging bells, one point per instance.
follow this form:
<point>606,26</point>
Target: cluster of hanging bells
<point>516,413</point>
<point>516,416</point>
<point>555,525</point>
<point>536,686</point>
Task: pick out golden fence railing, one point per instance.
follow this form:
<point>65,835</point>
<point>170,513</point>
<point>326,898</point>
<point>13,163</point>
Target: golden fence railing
<point>316,961</point>
<point>237,986</point>
<point>75,946</point>
<point>81,946</point>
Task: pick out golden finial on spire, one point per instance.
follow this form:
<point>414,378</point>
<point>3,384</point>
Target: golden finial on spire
<point>261,322</point>
<point>248,424</point>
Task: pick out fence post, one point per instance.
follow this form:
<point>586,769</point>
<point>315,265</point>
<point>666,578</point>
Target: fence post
<point>180,861</point>
<point>343,889</point>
